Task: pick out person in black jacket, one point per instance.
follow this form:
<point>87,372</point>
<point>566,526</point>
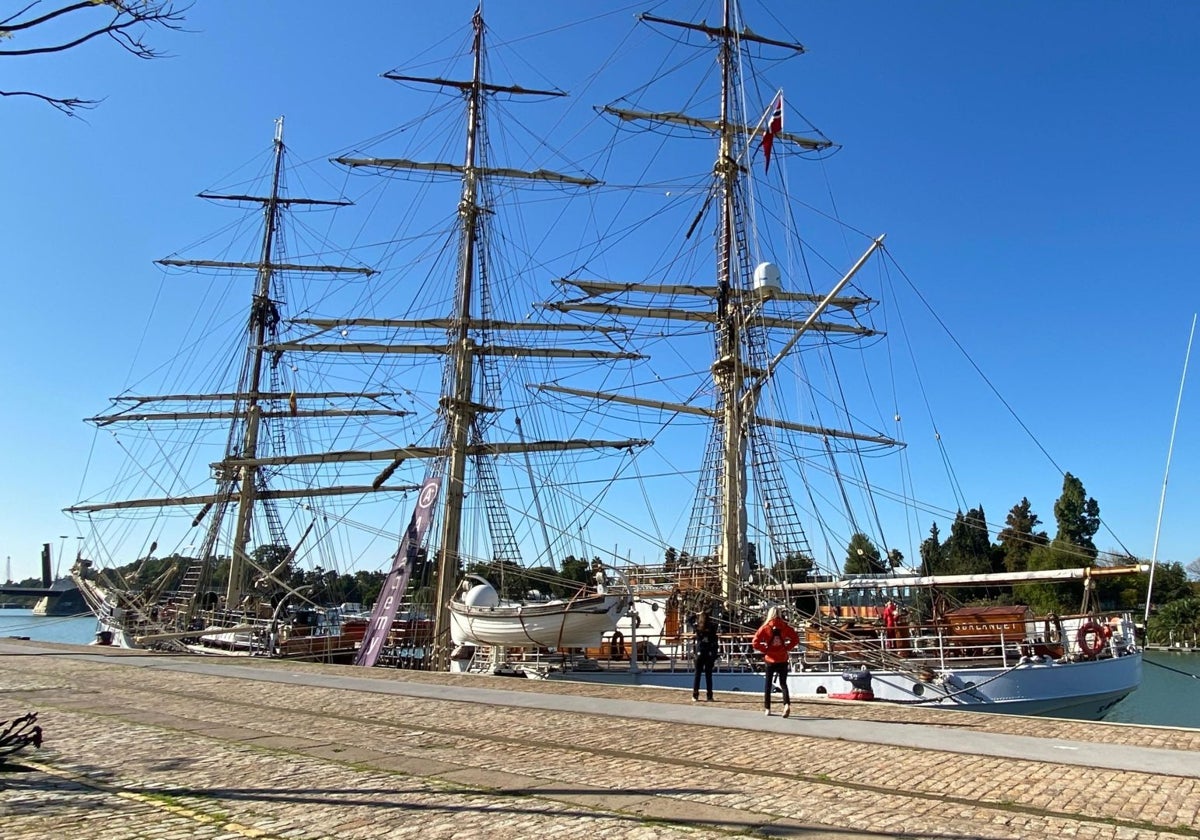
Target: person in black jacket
<point>705,644</point>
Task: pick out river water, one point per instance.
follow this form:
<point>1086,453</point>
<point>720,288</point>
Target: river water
<point>1168,696</point>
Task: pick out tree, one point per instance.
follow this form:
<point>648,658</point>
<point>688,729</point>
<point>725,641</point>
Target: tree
<point>1064,596</point>
<point>1077,515</point>
<point>70,25</point>
<point>793,568</point>
<point>1177,621</point>
<point>863,558</point>
<point>270,557</point>
<point>574,569</point>
<point>1193,569</point>
<point>509,579</point>
<point>968,549</point>
<point>931,552</point>
<point>1170,584</point>
<point>1019,538</point>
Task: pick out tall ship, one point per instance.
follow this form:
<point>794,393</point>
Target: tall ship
<point>557,470</point>
<point>756,316</point>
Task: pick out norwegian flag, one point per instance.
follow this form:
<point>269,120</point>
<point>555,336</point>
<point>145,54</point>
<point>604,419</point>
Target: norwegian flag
<point>774,126</point>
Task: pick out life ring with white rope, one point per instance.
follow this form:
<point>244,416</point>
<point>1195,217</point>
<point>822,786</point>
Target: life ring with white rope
<point>1091,638</point>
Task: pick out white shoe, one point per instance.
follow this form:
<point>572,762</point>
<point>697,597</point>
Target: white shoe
<point>787,709</point>
<point>767,712</point>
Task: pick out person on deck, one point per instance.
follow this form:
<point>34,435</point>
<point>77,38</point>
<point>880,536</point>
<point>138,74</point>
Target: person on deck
<point>891,615</point>
<point>706,651</point>
<point>775,640</point>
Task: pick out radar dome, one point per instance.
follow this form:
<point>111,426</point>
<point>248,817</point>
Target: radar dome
<point>766,277</point>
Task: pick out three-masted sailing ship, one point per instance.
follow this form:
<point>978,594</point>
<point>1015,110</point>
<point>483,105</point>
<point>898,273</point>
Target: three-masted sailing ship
<point>774,333</point>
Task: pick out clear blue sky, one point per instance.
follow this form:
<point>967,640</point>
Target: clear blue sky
<point>1033,165</point>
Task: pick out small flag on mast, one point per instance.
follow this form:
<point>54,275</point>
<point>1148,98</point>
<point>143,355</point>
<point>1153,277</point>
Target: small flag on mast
<point>774,126</point>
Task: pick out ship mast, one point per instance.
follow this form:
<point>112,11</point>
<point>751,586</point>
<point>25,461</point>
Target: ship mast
<point>262,310</point>
<point>728,370</point>
<point>467,387</point>
<point>720,524</point>
<point>459,410</point>
<point>239,476</point>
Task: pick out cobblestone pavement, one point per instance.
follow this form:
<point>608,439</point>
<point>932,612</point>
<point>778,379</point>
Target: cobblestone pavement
<point>144,752</point>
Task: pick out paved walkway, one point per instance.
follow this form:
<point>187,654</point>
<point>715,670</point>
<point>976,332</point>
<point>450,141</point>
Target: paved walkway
<point>143,746</point>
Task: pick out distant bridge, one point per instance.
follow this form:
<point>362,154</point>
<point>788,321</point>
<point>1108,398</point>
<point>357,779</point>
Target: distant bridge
<point>12,589</point>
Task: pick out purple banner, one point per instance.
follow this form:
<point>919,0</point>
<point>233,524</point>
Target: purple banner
<point>392,593</point>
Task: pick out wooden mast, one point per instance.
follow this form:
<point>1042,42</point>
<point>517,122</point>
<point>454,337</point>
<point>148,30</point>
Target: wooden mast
<point>238,471</point>
<point>262,311</point>
<point>464,352</point>
<point>459,410</point>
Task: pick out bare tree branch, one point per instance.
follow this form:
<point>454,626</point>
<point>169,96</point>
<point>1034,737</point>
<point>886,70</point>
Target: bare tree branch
<point>11,27</point>
<point>68,105</point>
<point>128,23</point>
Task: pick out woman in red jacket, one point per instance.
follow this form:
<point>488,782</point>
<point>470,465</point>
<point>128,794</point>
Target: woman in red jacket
<point>775,640</point>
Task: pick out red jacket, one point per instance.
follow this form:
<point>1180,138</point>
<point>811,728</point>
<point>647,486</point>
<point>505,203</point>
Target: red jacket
<point>775,640</point>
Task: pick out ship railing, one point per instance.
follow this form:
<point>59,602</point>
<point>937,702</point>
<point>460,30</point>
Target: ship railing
<point>1072,637</point>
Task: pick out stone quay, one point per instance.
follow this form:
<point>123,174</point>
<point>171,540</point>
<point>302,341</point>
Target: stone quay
<point>141,745</point>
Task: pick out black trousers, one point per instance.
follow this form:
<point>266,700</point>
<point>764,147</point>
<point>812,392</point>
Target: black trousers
<point>704,664</point>
<point>773,668</point>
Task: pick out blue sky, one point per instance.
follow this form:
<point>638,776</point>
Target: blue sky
<point>1033,165</point>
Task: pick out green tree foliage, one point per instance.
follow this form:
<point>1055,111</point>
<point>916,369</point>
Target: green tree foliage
<point>1077,516</point>
<point>508,578</point>
<point>863,558</point>
<point>517,583</point>
<point>793,568</point>
<point>1178,621</point>
<point>1058,597</point>
<point>574,569</point>
<point>1019,537</point>
<point>931,552</point>
<point>968,549</point>
<point>1021,546</point>
<point>1170,584</point>
<point>270,557</point>
<point>1120,592</point>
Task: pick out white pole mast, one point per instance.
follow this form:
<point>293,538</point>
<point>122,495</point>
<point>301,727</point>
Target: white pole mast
<point>1167,472</point>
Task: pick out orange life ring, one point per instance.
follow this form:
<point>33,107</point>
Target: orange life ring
<point>1091,638</point>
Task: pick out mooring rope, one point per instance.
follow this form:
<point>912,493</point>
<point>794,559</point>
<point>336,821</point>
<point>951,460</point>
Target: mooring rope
<point>1169,668</point>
